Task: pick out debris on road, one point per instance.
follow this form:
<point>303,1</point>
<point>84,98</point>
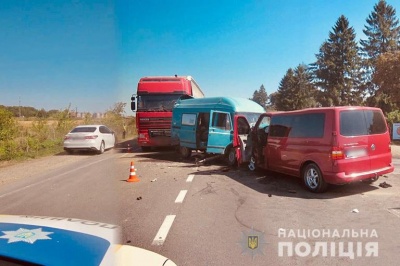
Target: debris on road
<point>355,211</point>
<point>385,185</point>
<point>206,160</point>
<point>225,169</point>
<point>139,198</point>
<point>269,195</point>
<point>154,180</point>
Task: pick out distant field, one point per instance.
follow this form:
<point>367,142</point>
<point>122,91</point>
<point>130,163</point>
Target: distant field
<point>28,124</point>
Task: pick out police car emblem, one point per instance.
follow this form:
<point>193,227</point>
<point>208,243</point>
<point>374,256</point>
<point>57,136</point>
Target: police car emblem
<point>26,235</point>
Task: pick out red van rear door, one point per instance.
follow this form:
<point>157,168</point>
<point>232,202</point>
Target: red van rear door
<point>379,140</point>
<point>353,141</point>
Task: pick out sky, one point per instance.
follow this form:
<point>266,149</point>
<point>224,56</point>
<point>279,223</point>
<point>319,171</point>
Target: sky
<point>88,55</point>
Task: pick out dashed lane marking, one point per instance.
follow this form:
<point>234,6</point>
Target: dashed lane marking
<point>181,196</point>
<point>169,219</point>
<point>190,178</point>
<point>164,229</point>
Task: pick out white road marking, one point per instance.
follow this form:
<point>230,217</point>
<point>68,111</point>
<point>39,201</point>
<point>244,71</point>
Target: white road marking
<point>181,196</point>
<point>395,212</point>
<point>164,229</point>
<point>190,178</point>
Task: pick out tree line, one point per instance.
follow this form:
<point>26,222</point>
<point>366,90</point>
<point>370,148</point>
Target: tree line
<point>346,72</point>
<point>28,111</point>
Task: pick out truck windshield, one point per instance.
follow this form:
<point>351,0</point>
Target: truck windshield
<point>157,102</point>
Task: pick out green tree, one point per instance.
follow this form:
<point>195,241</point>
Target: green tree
<point>337,71</point>
<point>387,78</point>
<point>383,36</point>
<point>283,99</point>
<point>305,92</point>
<point>272,101</point>
<point>296,90</point>
<point>261,97</point>
<point>382,32</point>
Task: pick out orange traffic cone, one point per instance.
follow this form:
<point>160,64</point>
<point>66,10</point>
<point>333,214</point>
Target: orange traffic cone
<point>132,175</point>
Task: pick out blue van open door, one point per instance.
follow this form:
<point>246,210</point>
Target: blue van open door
<point>219,132</point>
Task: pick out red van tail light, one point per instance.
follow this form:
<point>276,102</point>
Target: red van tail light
<point>337,153</point>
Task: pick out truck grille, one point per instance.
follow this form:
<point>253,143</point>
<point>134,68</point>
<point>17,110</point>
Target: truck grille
<point>156,123</point>
<point>158,133</point>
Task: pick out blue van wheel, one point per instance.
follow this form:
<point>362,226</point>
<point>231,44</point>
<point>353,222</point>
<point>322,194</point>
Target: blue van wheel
<point>185,152</point>
<point>313,179</point>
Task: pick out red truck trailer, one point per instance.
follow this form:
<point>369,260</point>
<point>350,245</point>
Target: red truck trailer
<point>153,105</point>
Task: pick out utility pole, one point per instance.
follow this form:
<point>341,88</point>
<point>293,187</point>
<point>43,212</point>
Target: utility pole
<point>19,104</point>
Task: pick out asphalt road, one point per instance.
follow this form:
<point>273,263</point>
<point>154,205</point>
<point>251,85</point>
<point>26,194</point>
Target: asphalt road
<point>223,206</point>
<point>83,188</point>
<point>205,215</point>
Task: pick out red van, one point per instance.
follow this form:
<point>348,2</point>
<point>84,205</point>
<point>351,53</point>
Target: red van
<point>333,145</point>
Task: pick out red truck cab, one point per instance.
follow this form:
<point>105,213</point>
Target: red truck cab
<point>153,104</point>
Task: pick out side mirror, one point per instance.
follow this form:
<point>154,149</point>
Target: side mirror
<point>133,103</point>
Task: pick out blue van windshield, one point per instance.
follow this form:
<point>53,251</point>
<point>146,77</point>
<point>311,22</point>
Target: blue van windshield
<point>251,117</point>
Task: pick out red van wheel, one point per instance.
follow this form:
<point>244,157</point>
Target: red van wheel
<point>313,179</point>
<point>231,157</point>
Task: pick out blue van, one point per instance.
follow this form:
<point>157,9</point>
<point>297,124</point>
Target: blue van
<point>215,125</point>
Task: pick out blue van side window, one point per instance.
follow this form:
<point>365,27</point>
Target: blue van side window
<point>221,121</point>
<point>188,119</point>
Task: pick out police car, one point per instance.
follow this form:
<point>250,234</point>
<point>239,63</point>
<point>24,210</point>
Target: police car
<point>40,240</point>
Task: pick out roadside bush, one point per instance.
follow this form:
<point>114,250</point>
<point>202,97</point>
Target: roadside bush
<point>9,149</point>
<point>393,117</point>
<point>8,125</point>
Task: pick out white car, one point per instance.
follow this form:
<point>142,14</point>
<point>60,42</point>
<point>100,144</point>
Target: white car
<point>89,137</point>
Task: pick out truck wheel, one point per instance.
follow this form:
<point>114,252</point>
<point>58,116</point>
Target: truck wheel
<point>185,152</point>
<point>231,157</point>
<point>313,179</point>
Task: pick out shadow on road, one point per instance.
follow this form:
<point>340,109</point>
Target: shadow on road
<point>275,184</point>
<point>269,183</point>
